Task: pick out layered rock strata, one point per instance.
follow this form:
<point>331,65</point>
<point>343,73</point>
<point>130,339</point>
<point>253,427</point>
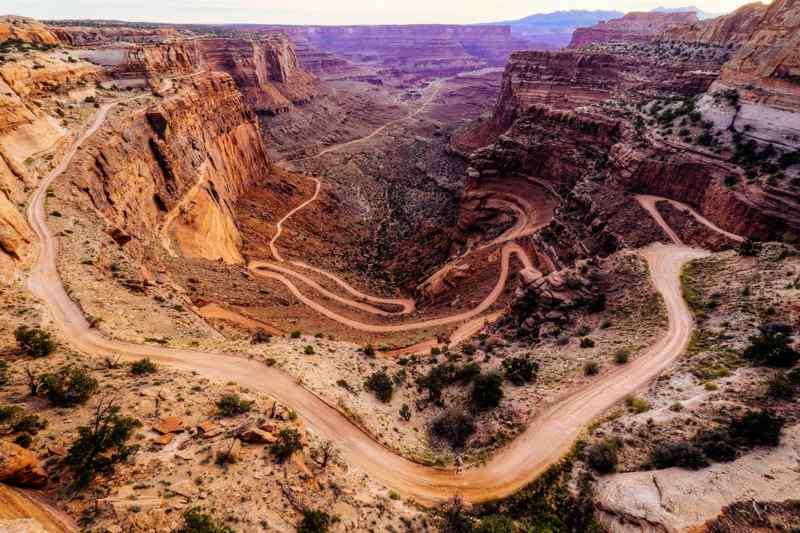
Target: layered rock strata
<point>637,26</point>
<point>265,70</point>
<point>93,36</point>
<point>27,30</point>
<point>728,30</point>
<point>172,172</point>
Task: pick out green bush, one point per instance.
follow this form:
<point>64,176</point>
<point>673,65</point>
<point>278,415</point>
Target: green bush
<point>454,427</point>
<point>30,424</point>
<point>380,384</point>
<point>309,350</point>
<point>143,366</point>
<point>586,342</point>
<point>717,445</point>
<point>102,444</point>
<point>315,522</point>
<point>772,347</point>
<point>196,521</point>
<point>369,351</point>
<point>495,524</point>
<point>10,412</point>
<point>233,405</point>
<point>34,342</point>
<point>591,368</point>
<point>749,248</point>
<point>69,386</point>
<point>757,428</point>
<point>468,372</point>
<point>636,404</point>
<point>405,412</point>
<point>487,391</point>
<point>23,441</point>
<point>680,454</point>
<point>603,456</point>
<point>295,334</point>
<point>622,356</point>
<point>520,370</point>
<point>288,442</point>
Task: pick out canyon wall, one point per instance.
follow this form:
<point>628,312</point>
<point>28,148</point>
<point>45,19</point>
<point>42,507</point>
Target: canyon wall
<point>728,30</point>
<point>30,128</point>
<point>265,70</point>
<point>449,48</point>
<point>26,30</point>
<point>172,172</point>
<point>637,26</point>
<point>93,36</point>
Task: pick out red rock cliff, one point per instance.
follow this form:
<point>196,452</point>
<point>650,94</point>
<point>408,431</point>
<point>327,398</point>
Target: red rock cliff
<point>733,29</point>
<point>265,70</point>
<point>26,29</point>
<point>636,26</point>
<point>173,171</point>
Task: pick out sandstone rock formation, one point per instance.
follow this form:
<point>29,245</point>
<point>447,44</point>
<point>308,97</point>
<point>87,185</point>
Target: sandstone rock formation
<point>94,35</point>
<point>636,26</point>
<point>19,466</point>
<point>174,170</point>
<point>265,70</point>
<point>27,130</point>
<point>732,29</point>
<point>27,30</point>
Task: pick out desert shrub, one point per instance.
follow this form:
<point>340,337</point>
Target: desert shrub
<point>405,412</point>
<point>468,349</point>
<point>717,445</point>
<point>636,404</point>
<point>487,391</point>
<point>196,521</point>
<point>495,524</point>
<point>30,424</point>
<point>315,522</point>
<point>102,444</point>
<point>757,428</point>
<point>586,342</point>
<point>454,427</point>
<point>591,368</point>
<point>260,337</point>
<point>3,372</point>
<point>437,379</point>
<point>233,405</point>
<point>309,350</point>
<point>622,356</point>
<point>24,440</point>
<point>468,372</point>
<point>34,342</point>
<point>10,412</point>
<point>288,442</point>
<point>603,456</point>
<point>749,248</point>
<point>295,334</point>
<point>520,370</point>
<point>772,346</point>
<point>583,331</point>
<point>369,351</point>
<point>143,366</point>
<point>680,454</point>
<point>69,386</point>
<point>380,384</point>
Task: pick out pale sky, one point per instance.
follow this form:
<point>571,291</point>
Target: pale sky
<point>328,11</point>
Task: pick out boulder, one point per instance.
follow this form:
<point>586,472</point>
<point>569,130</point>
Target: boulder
<point>257,436</point>
<point>19,466</point>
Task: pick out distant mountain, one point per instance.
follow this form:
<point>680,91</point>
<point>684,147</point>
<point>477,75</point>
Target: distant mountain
<point>700,13</point>
<point>550,31</point>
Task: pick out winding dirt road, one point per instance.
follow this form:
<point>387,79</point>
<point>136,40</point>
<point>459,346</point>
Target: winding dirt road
<point>547,438</point>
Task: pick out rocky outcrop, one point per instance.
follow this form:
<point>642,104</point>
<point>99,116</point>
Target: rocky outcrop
<point>94,35</point>
<point>265,70</point>
<point>171,173</point>
<point>27,30</point>
<point>766,68</point>
<point>26,131</point>
<point>634,27</point>
<point>19,466</point>
<point>728,30</point>
<point>677,499</point>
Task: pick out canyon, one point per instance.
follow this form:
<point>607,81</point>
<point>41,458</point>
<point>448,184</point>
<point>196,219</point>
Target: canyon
<point>411,254</point>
